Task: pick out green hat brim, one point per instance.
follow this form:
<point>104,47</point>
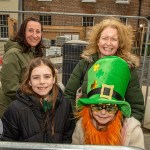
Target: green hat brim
<point>123,106</point>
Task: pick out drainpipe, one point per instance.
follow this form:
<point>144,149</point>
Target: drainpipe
<point>19,14</point>
<point>139,10</point>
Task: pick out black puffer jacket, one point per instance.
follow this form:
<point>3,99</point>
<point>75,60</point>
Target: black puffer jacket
<point>24,120</point>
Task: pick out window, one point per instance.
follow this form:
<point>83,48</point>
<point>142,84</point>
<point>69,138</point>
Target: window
<point>45,0</point>
<point>124,20</point>
<point>88,0</point>
<point>45,20</point>
<point>4,26</point>
<point>87,21</point>
<point>122,1</point>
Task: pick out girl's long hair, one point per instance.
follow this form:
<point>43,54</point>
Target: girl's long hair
<point>27,89</point>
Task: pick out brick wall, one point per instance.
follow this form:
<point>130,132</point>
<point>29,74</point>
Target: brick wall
<point>100,7</point>
<point>108,7</point>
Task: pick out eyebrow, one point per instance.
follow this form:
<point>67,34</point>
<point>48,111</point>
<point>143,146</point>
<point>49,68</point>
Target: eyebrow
<point>40,75</point>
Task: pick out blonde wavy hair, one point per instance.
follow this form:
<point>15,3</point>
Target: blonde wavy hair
<point>125,35</point>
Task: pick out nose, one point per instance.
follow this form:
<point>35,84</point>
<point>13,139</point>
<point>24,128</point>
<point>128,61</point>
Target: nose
<point>34,34</point>
<point>103,111</point>
<point>42,80</point>
<point>108,42</point>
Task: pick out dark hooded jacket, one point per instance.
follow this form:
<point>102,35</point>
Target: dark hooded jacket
<point>25,120</point>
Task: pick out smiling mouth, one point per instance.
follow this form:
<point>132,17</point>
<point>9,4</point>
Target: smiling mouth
<point>108,49</point>
<point>42,88</point>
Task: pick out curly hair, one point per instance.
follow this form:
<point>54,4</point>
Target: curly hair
<point>125,35</point>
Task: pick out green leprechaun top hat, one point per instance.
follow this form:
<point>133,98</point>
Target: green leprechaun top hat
<point>108,79</point>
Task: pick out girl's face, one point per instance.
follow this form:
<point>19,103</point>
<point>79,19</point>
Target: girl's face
<point>42,80</point>
<point>108,42</point>
<point>103,113</point>
<point>33,33</point>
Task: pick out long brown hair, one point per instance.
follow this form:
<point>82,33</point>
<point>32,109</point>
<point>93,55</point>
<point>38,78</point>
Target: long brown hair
<point>21,38</point>
<point>27,89</point>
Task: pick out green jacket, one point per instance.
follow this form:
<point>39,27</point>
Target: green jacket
<point>133,94</point>
<point>14,65</point>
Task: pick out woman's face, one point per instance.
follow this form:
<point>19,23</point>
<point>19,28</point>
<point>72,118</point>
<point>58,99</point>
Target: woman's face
<point>33,33</point>
<point>108,42</point>
<point>42,80</point>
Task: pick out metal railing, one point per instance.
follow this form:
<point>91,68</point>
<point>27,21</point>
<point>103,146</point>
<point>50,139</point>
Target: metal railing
<point>144,46</point>
<point>39,146</point>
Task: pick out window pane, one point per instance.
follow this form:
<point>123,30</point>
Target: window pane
<point>4,26</point>
<point>45,20</point>
<point>87,21</point>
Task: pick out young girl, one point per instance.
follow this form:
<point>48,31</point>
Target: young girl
<point>39,113</point>
<point>104,114</point>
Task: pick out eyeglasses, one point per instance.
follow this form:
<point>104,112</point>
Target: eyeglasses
<point>111,109</point>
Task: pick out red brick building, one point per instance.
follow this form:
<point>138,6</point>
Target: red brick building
<point>58,22</point>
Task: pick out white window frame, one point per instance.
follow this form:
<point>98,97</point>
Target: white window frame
<point>45,0</point>
<point>124,20</point>
<point>122,1</point>
<point>4,26</point>
<point>45,21</point>
<point>88,1</point>
<point>87,22</point>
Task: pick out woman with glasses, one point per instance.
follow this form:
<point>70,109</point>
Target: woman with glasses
<point>104,117</point>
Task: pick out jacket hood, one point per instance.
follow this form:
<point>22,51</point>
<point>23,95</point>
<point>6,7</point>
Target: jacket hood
<point>132,60</point>
<point>91,58</point>
<point>10,44</point>
<point>30,100</point>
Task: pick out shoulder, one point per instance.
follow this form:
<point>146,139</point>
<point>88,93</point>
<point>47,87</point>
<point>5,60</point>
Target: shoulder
<point>12,47</point>
<point>16,55</point>
<point>134,76</point>
<point>13,109</point>
<point>133,134</point>
<point>79,123</point>
<point>61,101</point>
<point>79,128</point>
<point>132,125</point>
<point>12,52</point>
<point>66,104</point>
<point>78,134</point>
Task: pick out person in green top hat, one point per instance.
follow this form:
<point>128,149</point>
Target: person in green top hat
<point>104,116</point>
<point>110,37</point>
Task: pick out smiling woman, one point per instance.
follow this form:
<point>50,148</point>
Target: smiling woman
<point>39,113</point>
<point>19,50</point>
<point>33,33</point>
<point>110,37</point>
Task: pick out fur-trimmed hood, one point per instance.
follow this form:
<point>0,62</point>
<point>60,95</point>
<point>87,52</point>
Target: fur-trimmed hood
<point>132,60</point>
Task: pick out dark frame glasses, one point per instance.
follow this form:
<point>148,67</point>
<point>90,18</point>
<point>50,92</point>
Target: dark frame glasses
<point>110,108</point>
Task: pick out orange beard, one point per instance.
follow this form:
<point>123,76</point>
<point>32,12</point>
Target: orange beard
<point>110,136</point>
